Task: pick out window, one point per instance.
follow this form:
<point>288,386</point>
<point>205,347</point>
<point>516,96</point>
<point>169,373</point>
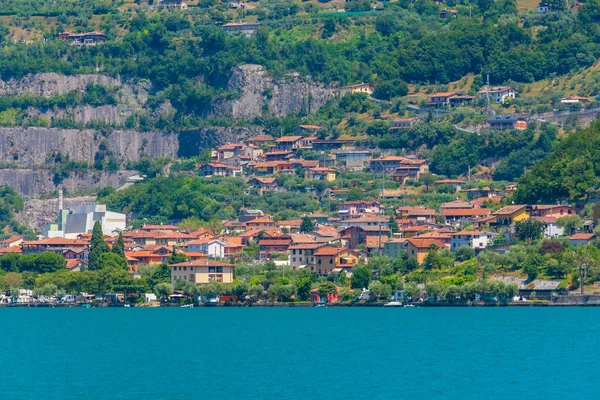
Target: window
<point>331,261</point>
<point>293,259</point>
<point>184,268</point>
<point>220,269</point>
<point>211,269</point>
<point>294,251</point>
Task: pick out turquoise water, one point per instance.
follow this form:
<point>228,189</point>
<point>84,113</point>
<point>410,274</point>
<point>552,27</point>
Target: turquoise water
<point>316,353</point>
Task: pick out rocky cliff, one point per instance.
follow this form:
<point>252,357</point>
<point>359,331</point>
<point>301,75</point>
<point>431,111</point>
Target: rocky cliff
<point>34,182</point>
<point>193,142</point>
<point>261,95</point>
<point>29,147</point>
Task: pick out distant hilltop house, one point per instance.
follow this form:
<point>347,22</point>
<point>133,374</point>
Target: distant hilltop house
<point>403,123</point>
<point>445,13</point>
<point>173,5</point>
<point>501,122</point>
<point>247,28</point>
<point>366,88</point>
<point>449,99</point>
<point>544,8</point>
<point>88,38</point>
<point>498,94</point>
<point>570,100</point>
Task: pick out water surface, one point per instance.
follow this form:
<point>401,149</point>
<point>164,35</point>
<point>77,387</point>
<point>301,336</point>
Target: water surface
<point>317,353</point>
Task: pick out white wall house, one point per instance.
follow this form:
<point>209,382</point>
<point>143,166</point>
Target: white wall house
<point>474,239</point>
<point>212,248</point>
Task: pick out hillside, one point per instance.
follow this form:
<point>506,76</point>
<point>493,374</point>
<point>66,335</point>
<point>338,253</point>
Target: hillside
<point>570,172</point>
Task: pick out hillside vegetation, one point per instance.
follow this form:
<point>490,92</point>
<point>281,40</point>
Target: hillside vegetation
<point>571,172</point>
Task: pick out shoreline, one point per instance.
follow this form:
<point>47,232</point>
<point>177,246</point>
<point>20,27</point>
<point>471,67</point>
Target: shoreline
<point>573,302</point>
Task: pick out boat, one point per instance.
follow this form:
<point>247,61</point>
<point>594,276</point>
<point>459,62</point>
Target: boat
<point>319,305</point>
<point>393,304</point>
<point>86,305</point>
<point>126,305</point>
<point>408,305</point>
<point>187,306</point>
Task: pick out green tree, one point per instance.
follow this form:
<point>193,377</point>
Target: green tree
<point>113,260</point>
<point>570,223</point>
<point>532,266</point>
<point>97,248</point>
<point>326,289</point>
<point>303,285</point>
<point>529,230</point>
<point>412,290</point>
<point>119,246</point>
<point>380,290</point>
<point>163,290</point>
<point>427,179</point>
<point>239,289</point>
<point>177,257</point>
<point>393,226</point>
<point>361,277</point>
<point>307,225</point>
<point>464,253</point>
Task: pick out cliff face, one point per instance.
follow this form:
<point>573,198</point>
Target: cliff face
<point>193,142</point>
<point>50,84</point>
<point>261,95</point>
<point>29,147</point>
<point>33,182</point>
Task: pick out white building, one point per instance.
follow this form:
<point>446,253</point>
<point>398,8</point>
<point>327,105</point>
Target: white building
<point>212,248</point>
<point>552,229</point>
<point>476,240</point>
<point>81,219</point>
<point>498,94</point>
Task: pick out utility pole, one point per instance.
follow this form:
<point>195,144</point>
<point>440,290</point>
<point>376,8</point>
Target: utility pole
<point>487,92</point>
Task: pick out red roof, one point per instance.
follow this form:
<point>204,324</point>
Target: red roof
<point>424,243</point>
<point>201,263</point>
<point>465,212</point>
<point>582,236</point>
<point>329,251</point>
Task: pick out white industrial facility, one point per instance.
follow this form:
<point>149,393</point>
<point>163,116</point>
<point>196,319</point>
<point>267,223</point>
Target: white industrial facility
<point>81,219</point>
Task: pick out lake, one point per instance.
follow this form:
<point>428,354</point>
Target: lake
<point>299,353</point>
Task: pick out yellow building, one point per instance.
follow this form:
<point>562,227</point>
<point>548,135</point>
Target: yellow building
<point>511,214</point>
<point>419,248</point>
<point>328,258</point>
<point>320,174</point>
<point>201,271</point>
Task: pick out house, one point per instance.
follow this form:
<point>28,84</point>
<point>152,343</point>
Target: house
<point>10,249</point>
<point>543,8</point>
<point>581,239</point>
<point>352,159</point>
<point>367,220</point>
<point>307,142</point>
<point>460,100</point>
<point>218,169</point>
<point>570,100</point>
<point>259,140</point>
<point>260,223</point>
<point>395,247</point>
<point>370,236</point>
<point>173,5</point>
<point>497,94</point>
<point>290,225</point>
<point>278,155</point>
<point>303,254</point>
<point>201,271</point>
<point>55,244</point>
<point>88,38</point>
<point>455,183</point>
<point>511,214</point>
<point>552,210</point>
<point>406,168</point>
<point>271,167</point>
<point>365,88</point>
<point>320,174</point>
<point>353,209</point>
<point>150,255</point>
<point>443,237</point>
<point>11,242</point>
<point>214,248</point>
<point>445,13</point>
<point>501,122</point>
<point>441,98</point>
<point>327,258</point>
<point>268,246</point>
<point>403,123</point>
<point>331,144</point>
<point>456,205</point>
<point>484,192</point>
<point>453,215</point>
<point>264,184</point>
<point>477,240</point>
<point>419,248</point>
<point>230,150</point>
<point>551,230</point>
<point>417,214</point>
<point>288,142</point>
<point>247,28</point>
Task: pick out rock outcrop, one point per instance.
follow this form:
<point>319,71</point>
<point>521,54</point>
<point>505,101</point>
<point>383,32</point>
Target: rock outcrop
<point>193,142</point>
<point>51,84</point>
<point>34,182</point>
<point>261,95</point>
<point>29,147</point>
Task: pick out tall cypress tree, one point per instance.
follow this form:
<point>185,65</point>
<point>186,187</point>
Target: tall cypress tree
<point>97,248</point>
<point>119,246</point>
